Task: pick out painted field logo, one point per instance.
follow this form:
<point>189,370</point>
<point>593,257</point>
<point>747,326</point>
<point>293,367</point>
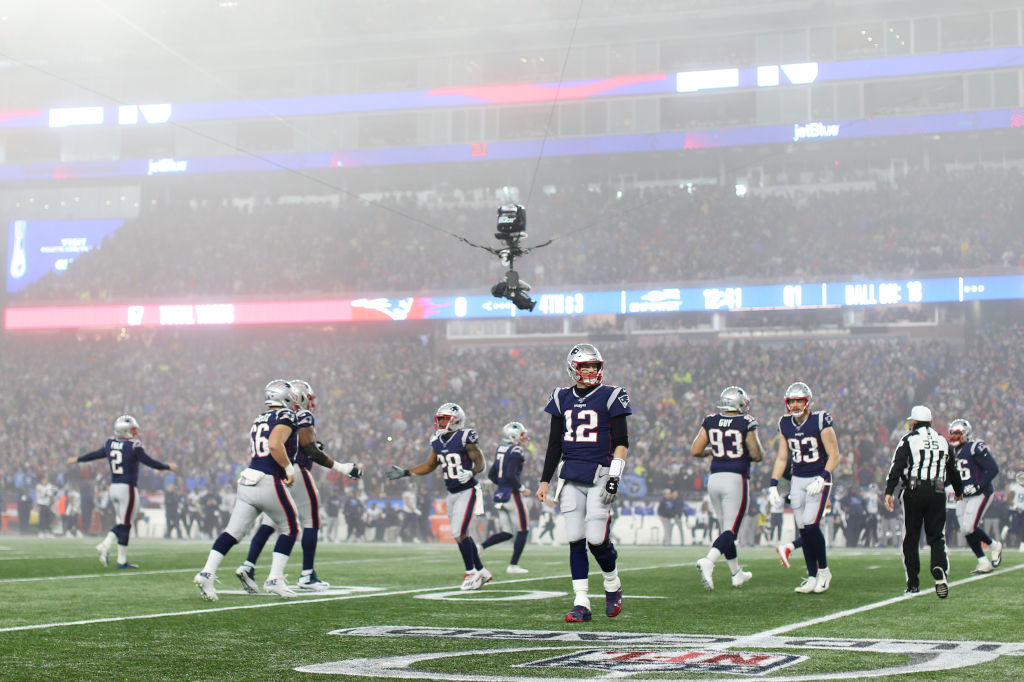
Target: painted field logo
<point>671,660</point>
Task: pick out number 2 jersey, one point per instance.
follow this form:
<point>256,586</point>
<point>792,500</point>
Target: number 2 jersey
<point>806,449</point>
<point>124,455</point>
<point>587,438</point>
<point>259,440</point>
<point>452,457</point>
<point>727,436</point>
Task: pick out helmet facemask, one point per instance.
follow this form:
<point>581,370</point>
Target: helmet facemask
<point>449,418</point>
<point>798,391</point>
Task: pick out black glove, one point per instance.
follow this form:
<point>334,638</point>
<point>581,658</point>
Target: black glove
<point>356,472</point>
<point>611,489</point>
<point>397,472</point>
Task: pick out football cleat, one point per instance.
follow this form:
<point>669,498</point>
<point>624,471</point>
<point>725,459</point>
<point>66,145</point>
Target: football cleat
<point>612,603</point>
<point>127,565</point>
<point>912,590</point>
<point>205,582</point>
<point>579,614</point>
<point>705,566</point>
<point>313,583</point>
<point>247,575</point>
<point>277,586</point>
<point>984,566</point>
<point>784,551</point>
<point>515,568</point>
<point>996,552</point>
<point>103,551</point>
<point>823,580</point>
<point>482,577</point>
<point>740,577</point>
<point>807,586</point>
<point>941,586</point>
<point>467,580</point>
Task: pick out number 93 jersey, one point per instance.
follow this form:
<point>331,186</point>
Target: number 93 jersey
<point>806,449</point>
<point>452,457</point>
<point>587,438</point>
<point>259,440</point>
<point>727,438</point>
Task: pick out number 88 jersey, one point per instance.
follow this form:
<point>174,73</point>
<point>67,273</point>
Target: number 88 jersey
<point>806,449</point>
<point>727,438</point>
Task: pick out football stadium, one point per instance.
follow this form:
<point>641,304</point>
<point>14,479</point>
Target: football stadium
<point>479,341</point>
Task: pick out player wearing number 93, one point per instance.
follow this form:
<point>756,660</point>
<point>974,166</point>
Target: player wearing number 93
<point>808,440</point>
<point>454,449</point>
<point>586,455</point>
<point>730,439</point>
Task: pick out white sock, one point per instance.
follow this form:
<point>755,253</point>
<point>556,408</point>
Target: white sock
<point>611,580</point>
<point>277,565</point>
<point>122,554</point>
<point>307,571</point>
<point>713,554</point>
<point>109,541</point>
<point>581,589</point>
<point>213,562</point>
<point>734,565</point>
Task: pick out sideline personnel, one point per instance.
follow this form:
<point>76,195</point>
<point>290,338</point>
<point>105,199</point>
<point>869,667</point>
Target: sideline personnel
<point>922,462</point>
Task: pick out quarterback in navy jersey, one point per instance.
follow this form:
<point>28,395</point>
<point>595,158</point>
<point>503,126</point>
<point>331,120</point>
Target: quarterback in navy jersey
<point>807,443</point>
<point>124,453</point>
<point>506,472</point>
<point>730,439</point>
<point>263,488</point>
<point>586,455</point>
<point>454,449</point>
<point>306,495</point>
<point>977,470</point>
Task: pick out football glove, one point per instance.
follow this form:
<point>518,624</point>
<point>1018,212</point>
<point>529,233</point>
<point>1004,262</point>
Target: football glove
<point>356,471</point>
<point>970,489</point>
<point>816,485</point>
<point>464,475</point>
<point>774,497</point>
<point>611,489</point>
<point>397,472</point>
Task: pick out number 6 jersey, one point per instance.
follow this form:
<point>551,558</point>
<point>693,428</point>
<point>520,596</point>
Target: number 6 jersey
<point>586,440</point>
<point>806,449</point>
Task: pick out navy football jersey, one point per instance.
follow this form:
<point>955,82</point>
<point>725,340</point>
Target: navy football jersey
<point>507,470</point>
<point>976,465</point>
<point>302,418</point>
<point>124,455</point>
<point>806,449</point>
<point>587,439</point>
<point>259,440</point>
<point>452,457</point>
<point>727,436</point>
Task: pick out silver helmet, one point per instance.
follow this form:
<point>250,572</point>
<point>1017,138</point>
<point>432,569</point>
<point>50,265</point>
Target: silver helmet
<point>126,426</point>
<point>959,431</point>
<point>798,391</point>
<point>583,353</point>
<point>305,398</point>
<point>279,393</point>
<point>734,399</point>
<point>514,433</point>
<point>449,418</point>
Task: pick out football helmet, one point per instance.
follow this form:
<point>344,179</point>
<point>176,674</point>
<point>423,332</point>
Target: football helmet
<point>449,418</point>
<point>305,398</point>
<point>959,431</point>
<point>580,354</point>
<point>798,391</point>
<point>1020,478</point>
<point>125,426</point>
<point>734,399</point>
<point>279,393</point>
<point>514,433</point>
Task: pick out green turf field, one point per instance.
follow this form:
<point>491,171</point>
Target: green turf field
<point>65,617</point>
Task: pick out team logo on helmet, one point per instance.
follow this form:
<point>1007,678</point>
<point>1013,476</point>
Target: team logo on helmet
<point>734,399</point>
<point>279,393</point>
<point>514,433</point>
<point>126,426</point>
<point>582,354</point>
<point>959,431</point>
<point>449,418</point>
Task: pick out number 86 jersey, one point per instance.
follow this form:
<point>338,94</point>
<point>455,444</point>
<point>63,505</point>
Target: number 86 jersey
<point>806,449</point>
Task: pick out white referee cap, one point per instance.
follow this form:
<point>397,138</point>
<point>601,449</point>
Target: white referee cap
<point>920,413</point>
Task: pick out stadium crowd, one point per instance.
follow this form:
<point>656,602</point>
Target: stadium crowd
<point>195,393</point>
<point>402,245</point>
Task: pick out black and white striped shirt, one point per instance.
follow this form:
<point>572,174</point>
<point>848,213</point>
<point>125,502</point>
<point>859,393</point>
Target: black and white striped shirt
<point>923,455</point>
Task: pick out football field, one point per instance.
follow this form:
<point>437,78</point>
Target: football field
<point>395,612</point>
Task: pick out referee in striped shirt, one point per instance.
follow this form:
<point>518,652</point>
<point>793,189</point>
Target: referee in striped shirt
<point>923,463</point>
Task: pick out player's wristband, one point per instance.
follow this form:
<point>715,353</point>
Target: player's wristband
<point>615,470</point>
<point>826,475</point>
<point>774,483</point>
<point>290,470</point>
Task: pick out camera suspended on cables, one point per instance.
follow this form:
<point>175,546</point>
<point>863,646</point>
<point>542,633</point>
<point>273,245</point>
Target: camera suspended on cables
<point>512,230</point>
